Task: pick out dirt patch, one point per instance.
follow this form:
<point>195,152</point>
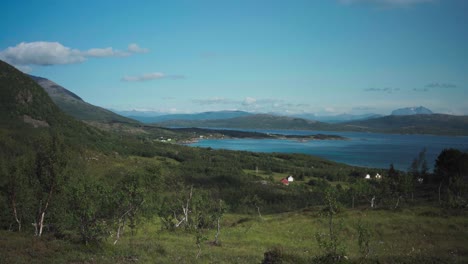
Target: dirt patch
<point>34,122</point>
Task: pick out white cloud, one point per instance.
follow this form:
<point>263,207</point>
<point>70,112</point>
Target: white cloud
<point>151,76</point>
<point>144,77</point>
<point>392,3</point>
<point>52,53</point>
<point>249,101</point>
<point>134,48</point>
<point>41,53</point>
<point>105,52</point>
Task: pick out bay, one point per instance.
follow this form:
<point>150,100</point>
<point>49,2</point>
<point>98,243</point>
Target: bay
<point>361,149</point>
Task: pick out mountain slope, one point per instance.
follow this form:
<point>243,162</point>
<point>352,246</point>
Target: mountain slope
<point>412,111</point>
<point>338,118</point>
<point>73,105</point>
<point>22,101</point>
<point>413,124</point>
<point>198,116</point>
<point>437,124</point>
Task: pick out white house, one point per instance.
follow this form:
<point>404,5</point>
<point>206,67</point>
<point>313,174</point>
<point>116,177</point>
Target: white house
<point>290,178</point>
<point>378,176</point>
<point>367,176</point>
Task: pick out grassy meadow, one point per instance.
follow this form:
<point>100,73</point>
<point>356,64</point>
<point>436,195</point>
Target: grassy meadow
<point>408,235</point>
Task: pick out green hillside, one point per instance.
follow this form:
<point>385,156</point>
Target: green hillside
<point>22,101</point>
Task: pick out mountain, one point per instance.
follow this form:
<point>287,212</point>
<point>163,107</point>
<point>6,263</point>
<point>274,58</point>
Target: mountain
<point>260,121</point>
<point>412,111</point>
<point>337,118</point>
<point>143,117</point>
<point>24,102</point>
<point>437,124</point>
<point>73,105</point>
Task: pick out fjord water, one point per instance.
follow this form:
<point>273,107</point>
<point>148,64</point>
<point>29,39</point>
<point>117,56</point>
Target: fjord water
<point>360,149</point>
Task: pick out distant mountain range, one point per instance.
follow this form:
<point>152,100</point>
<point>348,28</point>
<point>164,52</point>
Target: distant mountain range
<point>421,110</point>
<point>262,121</point>
<point>155,117</point>
<point>408,124</point>
<point>198,116</point>
<point>337,118</point>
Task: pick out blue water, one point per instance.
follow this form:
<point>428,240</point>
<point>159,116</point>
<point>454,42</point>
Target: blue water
<point>362,149</point>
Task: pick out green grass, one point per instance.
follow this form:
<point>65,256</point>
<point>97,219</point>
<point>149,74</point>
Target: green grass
<point>411,235</point>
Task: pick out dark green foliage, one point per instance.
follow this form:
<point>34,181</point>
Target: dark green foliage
<point>332,243</point>
<point>451,170</point>
<point>364,237</point>
<point>273,256</point>
<point>89,207</point>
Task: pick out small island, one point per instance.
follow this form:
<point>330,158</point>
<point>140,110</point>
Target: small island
<point>206,133</point>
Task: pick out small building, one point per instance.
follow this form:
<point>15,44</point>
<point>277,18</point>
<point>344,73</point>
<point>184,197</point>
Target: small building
<point>290,178</point>
<point>367,177</point>
<point>378,176</point>
<point>284,181</point>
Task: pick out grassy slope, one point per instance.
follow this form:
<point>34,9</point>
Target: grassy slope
<point>416,235</point>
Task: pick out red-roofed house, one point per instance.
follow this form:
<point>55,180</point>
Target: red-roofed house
<point>285,181</point>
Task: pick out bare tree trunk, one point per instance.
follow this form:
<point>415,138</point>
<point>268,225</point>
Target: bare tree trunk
<point>199,250</point>
<point>41,223</point>
<point>440,187</point>
<point>15,214</point>
<point>185,210</point>
<point>372,202</point>
<point>35,229</point>
<point>216,241</point>
<point>258,211</point>
<point>353,202</point>
<point>397,202</point>
<point>121,227</point>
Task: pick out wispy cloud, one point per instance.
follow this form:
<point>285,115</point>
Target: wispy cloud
<point>213,101</point>
<point>387,3</point>
<point>134,48</point>
<point>441,85</point>
<point>384,90</point>
<point>45,53</point>
<point>425,89</point>
<point>151,76</point>
<point>249,101</point>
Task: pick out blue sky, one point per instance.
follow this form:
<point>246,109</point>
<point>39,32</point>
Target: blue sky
<point>325,57</point>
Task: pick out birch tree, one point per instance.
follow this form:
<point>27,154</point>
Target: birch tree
<point>50,164</point>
